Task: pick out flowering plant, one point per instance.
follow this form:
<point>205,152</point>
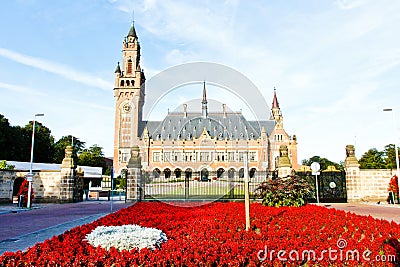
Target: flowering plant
<point>290,191</point>
<point>126,237</point>
<point>214,235</point>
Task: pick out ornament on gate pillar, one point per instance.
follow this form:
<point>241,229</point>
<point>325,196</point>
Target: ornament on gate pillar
<point>68,161</point>
<point>351,160</point>
<point>283,160</point>
<point>135,160</point>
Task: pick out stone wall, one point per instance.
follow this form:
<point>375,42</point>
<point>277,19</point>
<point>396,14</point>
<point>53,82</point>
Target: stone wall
<point>6,185</point>
<point>368,185</point>
<point>46,185</point>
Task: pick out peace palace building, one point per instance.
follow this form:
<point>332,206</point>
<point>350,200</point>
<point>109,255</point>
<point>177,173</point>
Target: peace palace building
<point>191,144</point>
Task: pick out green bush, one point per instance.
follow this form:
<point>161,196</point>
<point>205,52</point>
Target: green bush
<point>5,166</point>
<point>290,191</point>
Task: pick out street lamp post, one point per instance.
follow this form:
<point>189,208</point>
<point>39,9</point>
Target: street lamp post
<point>30,177</point>
<point>395,139</point>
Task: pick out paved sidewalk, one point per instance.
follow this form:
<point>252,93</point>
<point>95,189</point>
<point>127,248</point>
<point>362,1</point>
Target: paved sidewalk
<point>22,229</point>
<point>381,211</point>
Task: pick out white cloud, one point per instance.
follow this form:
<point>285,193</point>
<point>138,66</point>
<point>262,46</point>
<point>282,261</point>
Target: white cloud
<point>21,89</point>
<point>86,104</point>
<point>57,68</point>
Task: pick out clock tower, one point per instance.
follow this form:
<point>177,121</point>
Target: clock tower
<point>129,91</point>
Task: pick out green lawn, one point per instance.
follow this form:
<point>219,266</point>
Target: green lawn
<point>200,190</point>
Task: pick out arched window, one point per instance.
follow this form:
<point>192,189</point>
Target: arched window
<point>167,173</point>
<point>188,173</point>
<point>122,83</point>
<point>156,173</point>
<point>220,172</point>
<point>241,173</point>
<point>204,175</point>
<point>252,172</point>
<point>178,173</point>
<point>129,67</point>
<point>231,173</point>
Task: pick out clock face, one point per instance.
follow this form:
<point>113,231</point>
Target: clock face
<point>126,108</point>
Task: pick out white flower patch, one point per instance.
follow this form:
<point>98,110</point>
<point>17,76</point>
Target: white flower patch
<point>126,237</point>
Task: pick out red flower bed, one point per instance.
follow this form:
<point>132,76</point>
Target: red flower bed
<point>214,235</point>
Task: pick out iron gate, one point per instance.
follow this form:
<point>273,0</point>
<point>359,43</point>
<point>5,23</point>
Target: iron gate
<point>331,186</point>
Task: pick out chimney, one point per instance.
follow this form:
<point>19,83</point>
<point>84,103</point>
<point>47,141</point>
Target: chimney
<point>224,110</point>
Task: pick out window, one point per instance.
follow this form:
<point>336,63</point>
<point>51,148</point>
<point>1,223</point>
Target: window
<point>252,156</point>
<point>220,156</point>
<point>156,173</point>
<point>167,156</point>
<point>178,156</point>
<point>204,156</point>
<point>188,156</point>
<point>241,156</point>
<point>156,156</point>
<point>124,157</point>
<point>231,156</point>
<point>129,68</point>
<point>167,173</point>
<point>279,137</point>
<point>178,173</point>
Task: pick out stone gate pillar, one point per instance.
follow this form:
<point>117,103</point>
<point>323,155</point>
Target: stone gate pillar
<point>284,165</point>
<point>352,169</point>
<point>134,189</point>
<point>67,176</point>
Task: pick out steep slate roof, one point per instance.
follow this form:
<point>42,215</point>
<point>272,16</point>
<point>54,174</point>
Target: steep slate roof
<point>231,126</point>
<point>132,31</point>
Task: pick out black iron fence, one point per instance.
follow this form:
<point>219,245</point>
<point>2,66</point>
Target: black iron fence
<point>200,185</point>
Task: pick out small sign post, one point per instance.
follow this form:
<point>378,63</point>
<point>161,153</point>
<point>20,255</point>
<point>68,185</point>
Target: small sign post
<point>29,177</point>
<point>315,167</point>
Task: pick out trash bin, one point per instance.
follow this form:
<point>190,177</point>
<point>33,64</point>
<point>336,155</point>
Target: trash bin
<point>21,201</point>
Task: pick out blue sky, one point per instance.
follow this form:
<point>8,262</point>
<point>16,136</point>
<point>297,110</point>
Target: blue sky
<point>335,64</point>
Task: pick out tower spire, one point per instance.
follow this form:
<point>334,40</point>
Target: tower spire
<point>275,110</point>
<point>132,31</point>
<point>275,103</point>
<point>204,111</point>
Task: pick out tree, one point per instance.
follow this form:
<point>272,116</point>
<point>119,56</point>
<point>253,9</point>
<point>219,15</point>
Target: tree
<point>389,156</point>
<point>5,132</point>
<point>92,156</point>
<point>44,142</point>
<point>372,159</point>
<point>5,166</point>
<point>62,143</point>
<point>323,162</point>
<point>14,143</point>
